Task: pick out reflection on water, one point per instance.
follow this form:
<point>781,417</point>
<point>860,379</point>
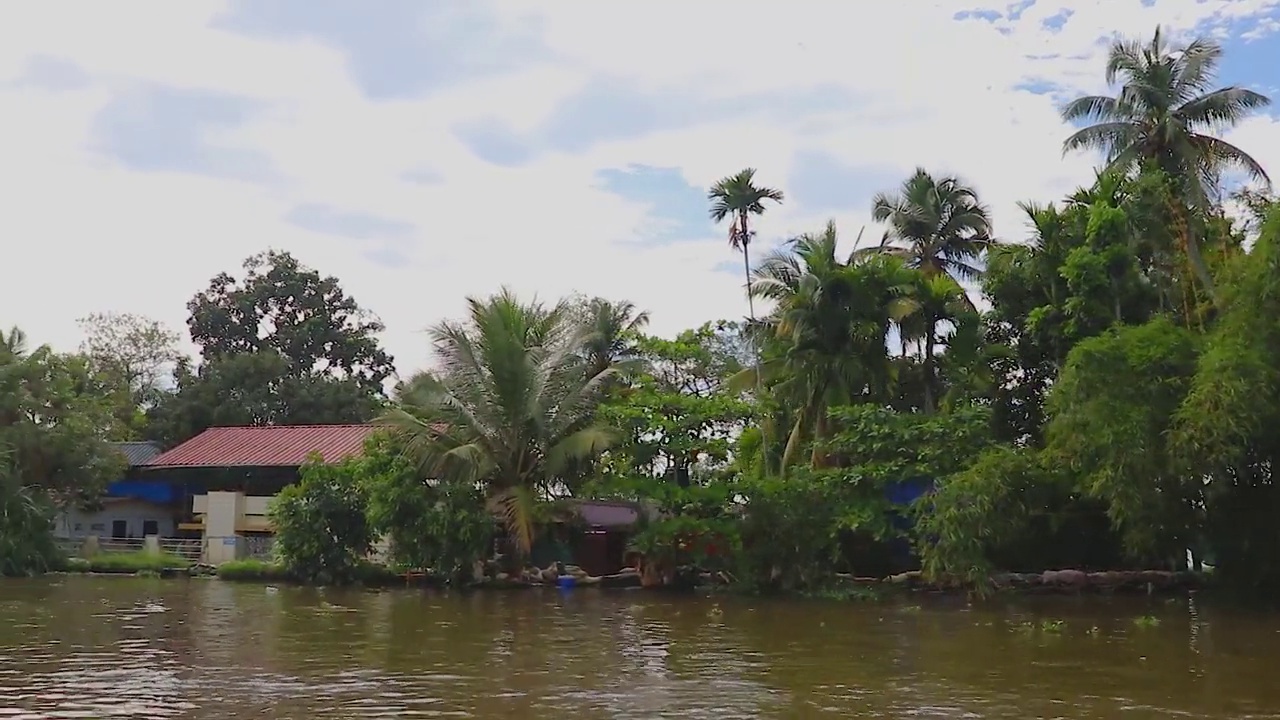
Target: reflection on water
<point>203,649</point>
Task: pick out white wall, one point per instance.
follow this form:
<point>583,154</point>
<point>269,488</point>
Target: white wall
<point>77,524</point>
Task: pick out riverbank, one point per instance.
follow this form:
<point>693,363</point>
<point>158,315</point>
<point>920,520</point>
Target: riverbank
<point>1051,582</point>
<point>1060,582</point>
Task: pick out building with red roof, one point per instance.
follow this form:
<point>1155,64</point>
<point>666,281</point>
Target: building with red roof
<point>270,446</point>
<point>255,462</point>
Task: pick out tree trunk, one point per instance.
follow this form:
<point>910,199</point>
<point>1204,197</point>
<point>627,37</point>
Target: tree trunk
<point>746,268</point>
<point>745,240</point>
<point>928,371</point>
<point>1192,248</point>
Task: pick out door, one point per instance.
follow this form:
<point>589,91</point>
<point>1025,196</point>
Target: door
<point>150,527</point>
<point>119,529</point>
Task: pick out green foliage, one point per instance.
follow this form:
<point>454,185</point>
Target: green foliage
<point>281,346</point>
<point>696,529</point>
<point>133,355</point>
<point>26,527</point>
<point>674,412</point>
<point>1111,409</point>
<point>133,563</point>
<point>306,319</point>
<point>442,526</point>
<point>55,415</point>
<point>255,388</point>
<point>251,570</point>
<point>322,530</point>
<point>1011,509</point>
<point>513,408</point>
<point>799,531</point>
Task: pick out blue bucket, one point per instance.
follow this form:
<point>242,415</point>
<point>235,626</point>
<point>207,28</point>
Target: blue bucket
<point>566,581</point>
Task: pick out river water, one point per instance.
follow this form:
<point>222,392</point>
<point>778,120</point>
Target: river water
<point>85,647</point>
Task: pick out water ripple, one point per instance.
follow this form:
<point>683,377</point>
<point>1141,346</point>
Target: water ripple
<point>93,648</point>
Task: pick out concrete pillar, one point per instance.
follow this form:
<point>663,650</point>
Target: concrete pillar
<point>223,512</point>
<point>90,547</point>
<point>151,545</point>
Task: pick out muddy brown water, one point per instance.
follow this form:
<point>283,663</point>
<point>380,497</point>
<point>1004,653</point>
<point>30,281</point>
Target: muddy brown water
<point>85,647</point>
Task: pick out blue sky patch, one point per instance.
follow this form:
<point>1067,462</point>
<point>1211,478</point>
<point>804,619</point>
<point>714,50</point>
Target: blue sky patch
<point>491,141</point>
<point>821,184</point>
<point>605,111</point>
<point>423,176</point>
<point>677,210</point>
<point>395,48</point>
<point>51,73</point>
<point>328,220</point>
<point>162,129</point>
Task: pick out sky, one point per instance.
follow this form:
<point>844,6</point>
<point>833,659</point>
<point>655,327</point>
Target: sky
<point>424,151</point>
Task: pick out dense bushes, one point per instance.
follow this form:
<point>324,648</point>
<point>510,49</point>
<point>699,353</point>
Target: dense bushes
<point>322,527</point>
<point>26,527</point>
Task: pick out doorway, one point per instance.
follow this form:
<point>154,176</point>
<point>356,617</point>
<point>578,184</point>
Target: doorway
<point>119,529</point>
<point>150,527</point>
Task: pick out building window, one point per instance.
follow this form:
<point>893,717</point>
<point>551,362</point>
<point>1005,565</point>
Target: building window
<point>79,527</point>
<point>98,527</point>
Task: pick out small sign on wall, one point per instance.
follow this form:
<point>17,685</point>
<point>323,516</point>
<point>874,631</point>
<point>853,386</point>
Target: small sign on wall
<point>229,541</point>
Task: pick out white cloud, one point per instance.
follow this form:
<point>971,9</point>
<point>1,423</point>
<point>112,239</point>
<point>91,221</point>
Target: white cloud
<point>923,89</point>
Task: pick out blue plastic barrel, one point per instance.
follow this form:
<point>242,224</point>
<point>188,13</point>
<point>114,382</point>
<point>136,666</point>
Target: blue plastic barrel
<point>566,581</point>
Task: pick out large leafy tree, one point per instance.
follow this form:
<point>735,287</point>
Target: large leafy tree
<point>677,413</point>
<point>281,346</point>
<point>937,225</point>
<point>55,418</point>
<point>1162,116</point>
<point>255,388</point>
<point>511,406</point>
<point>134,354</point>
<point>282,306</point>
<point>737,198</point>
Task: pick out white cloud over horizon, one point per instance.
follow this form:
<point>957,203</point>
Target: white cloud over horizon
<point>423,154</point>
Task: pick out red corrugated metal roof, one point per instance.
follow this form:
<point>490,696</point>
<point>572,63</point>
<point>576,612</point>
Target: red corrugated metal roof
<point>271,446</point>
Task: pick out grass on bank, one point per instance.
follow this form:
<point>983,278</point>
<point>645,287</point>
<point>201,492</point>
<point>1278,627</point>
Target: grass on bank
<point>265,571</point>
<point>131,562</point>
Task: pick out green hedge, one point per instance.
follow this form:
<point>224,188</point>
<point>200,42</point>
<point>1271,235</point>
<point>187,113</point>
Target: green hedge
<point>367,573</point>
<point>133,562</point>
<point>253,571</point>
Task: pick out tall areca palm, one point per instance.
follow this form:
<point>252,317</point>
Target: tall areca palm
<point>829,322</point>
<point>937,225</point>
<point>1162,115</point>
<point>511,406</point>
<point>737,197</point>
<point>934,300</point>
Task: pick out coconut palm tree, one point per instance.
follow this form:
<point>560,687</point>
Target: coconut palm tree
<point>737,197</point>
<point>614,328</point>
<point>1162,115</point>
<point>510,406</point>
<point>936,225</point>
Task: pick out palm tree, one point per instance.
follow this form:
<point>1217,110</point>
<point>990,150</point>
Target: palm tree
<point>614,328</point>
<point>828,326</point>
<point>935,299</point>
<point>13,345</point>
<point>738,197</point>
<point>510,407</point>
<point>937,225</point>
<point>1160,117</point>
